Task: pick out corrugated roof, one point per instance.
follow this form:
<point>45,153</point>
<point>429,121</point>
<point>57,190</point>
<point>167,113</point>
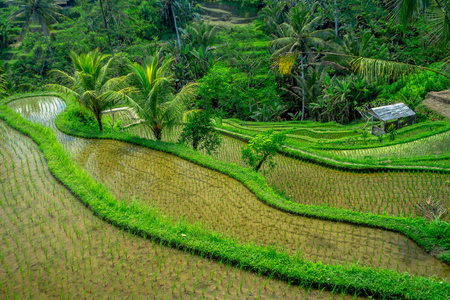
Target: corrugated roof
<point>391,112</point>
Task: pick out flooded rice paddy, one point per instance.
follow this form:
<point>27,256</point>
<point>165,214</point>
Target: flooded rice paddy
<point>433,145</point>
<point>52,247</point>
<point>391,193</point>
<point>181,189</point>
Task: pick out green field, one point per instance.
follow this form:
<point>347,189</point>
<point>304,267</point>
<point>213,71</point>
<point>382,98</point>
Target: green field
<point>183,190</point>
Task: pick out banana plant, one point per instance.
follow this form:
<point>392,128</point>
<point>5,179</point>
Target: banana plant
<point>201,59</point>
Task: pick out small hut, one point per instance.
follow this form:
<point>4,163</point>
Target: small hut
<point>398,114</point>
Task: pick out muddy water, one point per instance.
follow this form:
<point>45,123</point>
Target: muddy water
<point>52,247</point>
<point>181,189</point>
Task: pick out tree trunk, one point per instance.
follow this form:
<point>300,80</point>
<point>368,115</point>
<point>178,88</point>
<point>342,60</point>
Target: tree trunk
<point>259,165</point>
<point>157,131</point>
<point>336,22</point>
<point>195,142</point>
<point>176,27</point>
<point>112,125</point>
<point>303,88</point>
<point>249,98</point>
<point>50,48</point>
<point>99,121</point>
<point>106,27</point>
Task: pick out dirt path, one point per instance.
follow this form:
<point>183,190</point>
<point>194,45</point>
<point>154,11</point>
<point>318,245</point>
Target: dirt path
<point>439,102</point>
<point>224,15</point>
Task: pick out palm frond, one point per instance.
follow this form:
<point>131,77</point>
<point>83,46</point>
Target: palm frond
<point>122,95</point>
<point>63,89</point>
<point>172,111</point>
<point>63,77</point>
<point>402,11</point>
<point>372,68</point>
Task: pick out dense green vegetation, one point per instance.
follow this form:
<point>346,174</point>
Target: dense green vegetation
<point>262,104</point>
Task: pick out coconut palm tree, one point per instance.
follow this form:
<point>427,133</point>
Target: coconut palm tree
<point>371,68</point>
<point>311,85</point>
<point>300,35</point>
<point>151,93</point>
<point>90,84</point>
<point>177,13</point>
<point>42,12</point>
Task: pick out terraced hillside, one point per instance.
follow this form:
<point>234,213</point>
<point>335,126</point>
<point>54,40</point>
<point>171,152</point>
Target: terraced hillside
<point>394,193</point>
<point>54,247</point>
<point>186,191</point>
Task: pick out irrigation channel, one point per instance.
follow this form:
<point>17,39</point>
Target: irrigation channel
<point>53,247</point>
<point>180,189</point>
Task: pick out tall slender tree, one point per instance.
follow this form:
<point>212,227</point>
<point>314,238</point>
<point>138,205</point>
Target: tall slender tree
<point>3,89</point>
<point>169,12</point>
<point>42,12</point>
<point>300,35</point>
<point>106,24</point>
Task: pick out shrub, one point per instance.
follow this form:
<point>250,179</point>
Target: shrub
<point>200,133</point>
<point>262,148</point>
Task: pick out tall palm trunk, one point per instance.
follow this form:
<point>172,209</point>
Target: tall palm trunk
<point>50,48</point>
<point>157,131</point>
<point>303,88</point>
<point>336,21</point>
<point>176,26</point>
<point>98,117</point>
<point>106,27</point>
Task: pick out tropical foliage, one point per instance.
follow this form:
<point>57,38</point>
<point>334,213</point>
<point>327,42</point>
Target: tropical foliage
<point>199,132</point>
<point>90,84</point>
<point>276,93</point>
<point>262,149</point>
<point>42,12</point>
<point>152,94</point>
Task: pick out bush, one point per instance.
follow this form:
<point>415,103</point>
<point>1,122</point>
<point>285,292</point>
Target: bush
<point>227,89</point>
<point>200,133</point>
<point>262,148</point>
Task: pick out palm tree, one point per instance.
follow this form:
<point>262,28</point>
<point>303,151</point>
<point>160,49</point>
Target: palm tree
<point>169,12</point>
<point>152,94</point>
<point>311,85</point>
<point>401,11</point>
<point>275,12</point>
<point>182,10</point>
<point>300,35</point>
<point>42,12</point>
<point>90,84</point>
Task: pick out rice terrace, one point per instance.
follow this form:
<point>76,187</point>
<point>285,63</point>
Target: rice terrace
<point>244,149</point>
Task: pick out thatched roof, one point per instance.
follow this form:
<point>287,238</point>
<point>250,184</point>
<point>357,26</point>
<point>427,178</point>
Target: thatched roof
<point>391,112</point>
